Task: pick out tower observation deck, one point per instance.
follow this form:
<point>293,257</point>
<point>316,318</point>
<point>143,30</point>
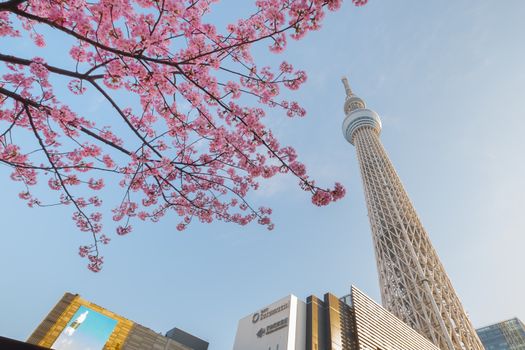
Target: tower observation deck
<point>413,282</point>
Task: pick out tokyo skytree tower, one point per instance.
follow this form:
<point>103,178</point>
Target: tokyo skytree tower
<point>414,284</point>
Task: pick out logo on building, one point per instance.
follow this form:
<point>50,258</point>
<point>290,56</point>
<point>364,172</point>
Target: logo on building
<point>267,312</point>
<point>261,332</point>
<point>272,328</point>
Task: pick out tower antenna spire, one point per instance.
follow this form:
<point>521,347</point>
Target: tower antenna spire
<point>347,87</point>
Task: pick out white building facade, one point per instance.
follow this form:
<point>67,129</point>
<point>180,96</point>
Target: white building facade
<point>278,326</point>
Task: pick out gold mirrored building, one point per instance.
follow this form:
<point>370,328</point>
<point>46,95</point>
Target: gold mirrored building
<point>356,322</point>
<point>75,323</point>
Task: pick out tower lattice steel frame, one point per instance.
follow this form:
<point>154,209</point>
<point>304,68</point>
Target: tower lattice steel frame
<point>414,284</point>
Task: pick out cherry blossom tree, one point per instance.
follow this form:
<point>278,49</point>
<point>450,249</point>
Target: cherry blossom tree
<point>198,143</point>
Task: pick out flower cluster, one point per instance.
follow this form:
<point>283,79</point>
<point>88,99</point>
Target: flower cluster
<point>195,147</point>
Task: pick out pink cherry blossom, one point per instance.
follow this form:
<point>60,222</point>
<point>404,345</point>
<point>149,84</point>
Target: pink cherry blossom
<point>123,230</point>
<point>198,144</point>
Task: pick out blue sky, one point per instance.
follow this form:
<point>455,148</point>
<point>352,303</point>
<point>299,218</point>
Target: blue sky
<point>447,79</point>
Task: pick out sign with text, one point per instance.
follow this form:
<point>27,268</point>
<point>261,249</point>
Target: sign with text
<point>281,325</point>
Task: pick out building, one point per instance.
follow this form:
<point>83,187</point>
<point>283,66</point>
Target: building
<point>187,339</point>
<point>413,282</point>
<point>278,326</point>
<point>349,323</point>
<point>75,323</point>
<point>506,335</point>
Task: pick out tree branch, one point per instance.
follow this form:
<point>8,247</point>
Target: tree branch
<point>10,5</point>
<point>53,69</point>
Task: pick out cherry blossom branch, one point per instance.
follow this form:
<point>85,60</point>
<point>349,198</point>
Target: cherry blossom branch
<point>193,149</point>
<point>92,228</point>
<point>37,105</point>
<point>9,5</point>
<point>53,69</point>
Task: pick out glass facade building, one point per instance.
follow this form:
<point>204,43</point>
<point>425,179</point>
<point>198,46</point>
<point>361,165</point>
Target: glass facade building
<point>506,335</point>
